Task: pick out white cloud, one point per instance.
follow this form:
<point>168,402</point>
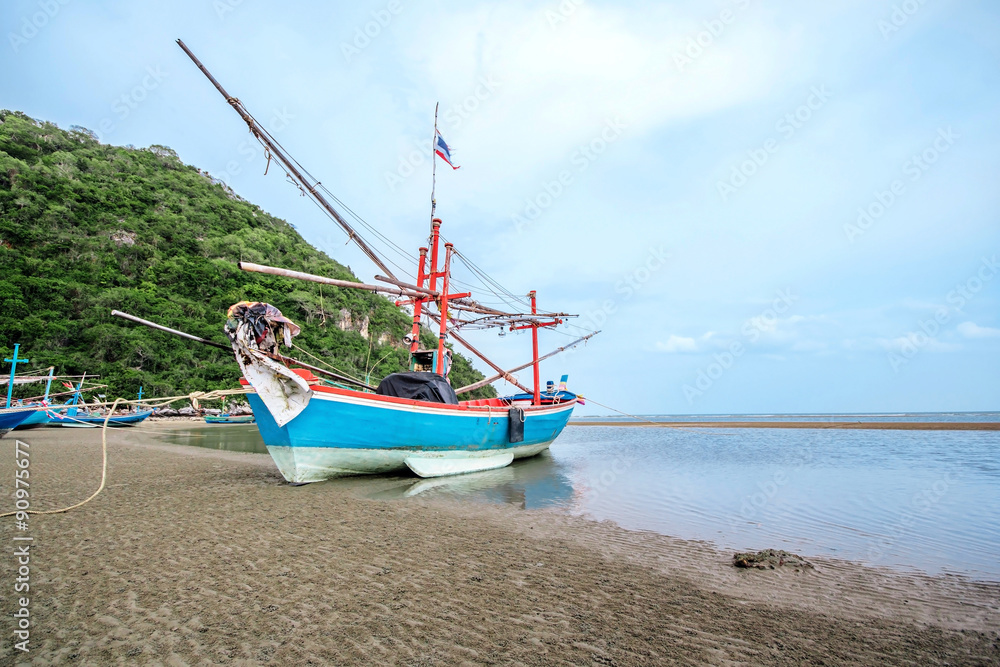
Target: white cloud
<point>973,330</point>
<point>675,344</point>
<point>912,341</point>
<point>560,84</point>
<point>683,344</point>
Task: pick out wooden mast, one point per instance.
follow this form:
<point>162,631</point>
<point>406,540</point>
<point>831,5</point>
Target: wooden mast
<point>299,275</point>
<point>290,166</point>
<point>434,164</point>
<point>277,357</point>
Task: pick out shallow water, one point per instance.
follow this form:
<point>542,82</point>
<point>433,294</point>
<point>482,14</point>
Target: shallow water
<point>924,500</point>
<point>230,437</point>
<point>825,417</point>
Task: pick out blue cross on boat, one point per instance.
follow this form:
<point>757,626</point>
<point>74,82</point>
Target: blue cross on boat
<point>13,416</point>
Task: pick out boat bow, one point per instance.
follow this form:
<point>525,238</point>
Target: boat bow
<point>255,330</point>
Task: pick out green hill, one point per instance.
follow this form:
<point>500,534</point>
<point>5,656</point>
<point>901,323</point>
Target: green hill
<point>87,227</point>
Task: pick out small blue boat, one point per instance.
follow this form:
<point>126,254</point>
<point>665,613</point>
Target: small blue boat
<point>229,419</point>
<point>85,419</point>
<point>43,411</point>
<point>13,416</point>
<point>38,418</point>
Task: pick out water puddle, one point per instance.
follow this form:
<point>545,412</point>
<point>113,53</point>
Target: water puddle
<point>531,483</point>
<point>228,437</point>
<point>908,499</point>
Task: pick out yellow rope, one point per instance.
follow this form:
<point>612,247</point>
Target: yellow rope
<point>194,396</point>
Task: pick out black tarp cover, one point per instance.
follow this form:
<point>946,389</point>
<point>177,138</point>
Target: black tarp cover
<point>418,386</point>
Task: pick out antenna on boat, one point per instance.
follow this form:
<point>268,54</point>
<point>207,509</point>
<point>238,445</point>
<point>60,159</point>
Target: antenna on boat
<point>434,138</point>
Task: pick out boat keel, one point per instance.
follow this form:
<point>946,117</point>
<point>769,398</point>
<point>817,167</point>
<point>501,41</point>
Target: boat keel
<point>439,465</point>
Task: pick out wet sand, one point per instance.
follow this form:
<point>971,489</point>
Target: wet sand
<point>197,556</point>
<point>892,426</point>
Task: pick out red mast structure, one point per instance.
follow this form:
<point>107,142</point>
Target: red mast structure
<point>537,399</point>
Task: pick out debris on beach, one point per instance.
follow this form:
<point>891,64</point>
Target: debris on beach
<point>769,559</point>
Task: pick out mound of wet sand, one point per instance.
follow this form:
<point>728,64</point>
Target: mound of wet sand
<point>768,559</point>
<point>195,556</point>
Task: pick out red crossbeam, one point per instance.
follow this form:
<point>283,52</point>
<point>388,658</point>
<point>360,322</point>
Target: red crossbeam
<point>539,324</point>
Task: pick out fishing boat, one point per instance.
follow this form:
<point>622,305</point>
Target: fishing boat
<point>319,423</point>
<point>229,419</point>
<point>40,411</point>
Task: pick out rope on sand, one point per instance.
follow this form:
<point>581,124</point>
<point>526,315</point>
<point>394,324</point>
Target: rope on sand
<point>194,397</point>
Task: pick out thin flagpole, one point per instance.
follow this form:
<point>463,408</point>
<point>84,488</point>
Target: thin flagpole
<point>434,162</point>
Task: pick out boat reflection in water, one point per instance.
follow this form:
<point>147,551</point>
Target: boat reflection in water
<point>531,483</point>
<point>236,438</point>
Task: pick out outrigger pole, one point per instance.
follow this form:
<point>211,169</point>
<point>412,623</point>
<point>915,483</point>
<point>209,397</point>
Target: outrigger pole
<point>307,185</point>
<point>483,383</point>
<point>402,288</point>
<point>228,348</point>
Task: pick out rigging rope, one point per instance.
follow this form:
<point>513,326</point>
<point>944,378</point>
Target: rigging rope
<point>660,424</point>
<point>326,363</point>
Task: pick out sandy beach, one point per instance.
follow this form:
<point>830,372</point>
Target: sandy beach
<point>196,556</point>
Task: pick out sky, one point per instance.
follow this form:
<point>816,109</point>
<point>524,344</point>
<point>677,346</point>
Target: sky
<point>770,207</point>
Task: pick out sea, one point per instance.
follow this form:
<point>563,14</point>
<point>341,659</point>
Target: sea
<point>915,500</point>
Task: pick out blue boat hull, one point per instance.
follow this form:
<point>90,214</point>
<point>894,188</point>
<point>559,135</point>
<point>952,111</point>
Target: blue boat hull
<point>354,433</point>
<point>43,417</point>
<point>229,419</point>
<point>9,420</point>
<point>86,420</point>
<point>39,418</point>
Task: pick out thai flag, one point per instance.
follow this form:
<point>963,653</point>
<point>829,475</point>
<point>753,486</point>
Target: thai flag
<point>442,150</point>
